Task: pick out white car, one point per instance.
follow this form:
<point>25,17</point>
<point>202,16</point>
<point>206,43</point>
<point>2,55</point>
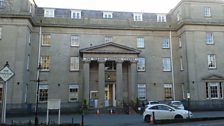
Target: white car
<point>163,111</point>
<point>177,104</point>
<point>148,103</point>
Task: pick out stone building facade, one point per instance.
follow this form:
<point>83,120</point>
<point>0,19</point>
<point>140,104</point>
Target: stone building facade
<point>108,58</point>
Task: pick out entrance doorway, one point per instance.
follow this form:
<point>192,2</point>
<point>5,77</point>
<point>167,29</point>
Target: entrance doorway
<point>110,95</point>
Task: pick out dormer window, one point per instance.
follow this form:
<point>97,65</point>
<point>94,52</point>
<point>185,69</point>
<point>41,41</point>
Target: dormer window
<point>161,18</point>
<point>107,15</point>
<point>76,14</point>
<point>207,12</point>
<point>48,12</point>
<point>137,17</point>
<point>1,3</point>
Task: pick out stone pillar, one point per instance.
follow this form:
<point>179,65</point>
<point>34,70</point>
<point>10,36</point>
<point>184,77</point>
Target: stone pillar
<point>101,83</point>
<point>132,81</point>
<point>119,84</point>
<point>86,80</point>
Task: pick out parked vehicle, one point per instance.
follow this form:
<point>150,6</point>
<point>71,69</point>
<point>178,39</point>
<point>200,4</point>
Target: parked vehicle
<point>163,111</point>
<point>177,104</point>
<point>147,103</point>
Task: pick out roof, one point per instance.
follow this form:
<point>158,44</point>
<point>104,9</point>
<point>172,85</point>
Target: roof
<point>109,48</point>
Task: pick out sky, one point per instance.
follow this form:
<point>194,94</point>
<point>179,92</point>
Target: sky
<point>151,6</point>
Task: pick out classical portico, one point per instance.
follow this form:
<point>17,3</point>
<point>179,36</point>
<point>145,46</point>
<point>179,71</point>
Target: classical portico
<point>109,74</point>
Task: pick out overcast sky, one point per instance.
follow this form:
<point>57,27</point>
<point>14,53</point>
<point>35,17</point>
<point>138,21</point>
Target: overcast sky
<point>155,6</point>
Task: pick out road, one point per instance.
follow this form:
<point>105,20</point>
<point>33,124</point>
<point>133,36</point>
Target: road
<point>118,119</point>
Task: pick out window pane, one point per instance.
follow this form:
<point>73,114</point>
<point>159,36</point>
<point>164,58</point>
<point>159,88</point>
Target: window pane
<point>166,64</point>
<point>140,42</point>
<point>207,11</point>
<point>73,92</point>
<point>108,39</point>
<point>168,91</point>
<point>74,63</point>
<point>142,91</point>
<point>211,61</point>
<point>45,62</point>
<point>43,92</point>
<point>46,38</point>
<point>141,64</point>
<point>75,40</point>
<point>209,38</point>
<point>165,43</point>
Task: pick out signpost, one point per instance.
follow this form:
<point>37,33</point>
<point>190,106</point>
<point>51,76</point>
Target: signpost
<point>6,73</point>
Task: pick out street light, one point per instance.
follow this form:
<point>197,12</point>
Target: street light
<point>37,95</point>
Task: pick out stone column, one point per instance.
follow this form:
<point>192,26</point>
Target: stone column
<point>119,83</point>
<point>132,81</point>
<point>86,80</point>
<point>101,83</point>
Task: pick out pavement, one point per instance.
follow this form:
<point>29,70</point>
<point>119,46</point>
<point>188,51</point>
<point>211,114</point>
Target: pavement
<point>102,119</point>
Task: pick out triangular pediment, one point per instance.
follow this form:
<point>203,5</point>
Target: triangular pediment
<point>110,48</point>
<point>213,77</point>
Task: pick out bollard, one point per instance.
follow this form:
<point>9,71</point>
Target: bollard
<point>153,117</point>
<point>111,111</point>
<point>72,120</point>
<point>98,112</point>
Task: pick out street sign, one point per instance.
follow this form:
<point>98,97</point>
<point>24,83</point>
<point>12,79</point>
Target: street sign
<point>6,73</point>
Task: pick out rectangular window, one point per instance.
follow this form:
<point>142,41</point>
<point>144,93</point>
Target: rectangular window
<point>137,17</point>
<point>180,42</point>
<point>45,62</point>
<point>161,18</point>
<point>140,42</point>
<point>214,90</point>
<point>76,14</point>
<point>0,33</point>
<point>75,39</point>
<point>209,38</point>
<point>141,91</point>
<point>73,93</point>
<point>107,15</point>
<point>43,92</point>
<point>207,12</point>
<point>1,3</point>
<point>211,61</point>
<point>166,64</point>
<point>108,39</point>
<point>48,12</point>
<point>74,63</point>
<point>181,64</point>
<point>179,17</point>
<point>165,43</point>
<point>28,62</point>
<point>46,40</point>
<point>141,64</point>
<point>1,92</point>
<point>29,38</point>
<point>168,91</point>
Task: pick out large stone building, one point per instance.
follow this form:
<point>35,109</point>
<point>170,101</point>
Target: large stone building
<point>108,58</point>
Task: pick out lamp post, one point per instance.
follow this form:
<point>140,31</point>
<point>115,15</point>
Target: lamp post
<point>37,95</point>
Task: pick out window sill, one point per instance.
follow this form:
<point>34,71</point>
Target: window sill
<point>44,70</point>
<point>212,68</point>
<point>73,70</point>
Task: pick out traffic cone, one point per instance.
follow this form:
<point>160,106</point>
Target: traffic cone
<point>98,112</point>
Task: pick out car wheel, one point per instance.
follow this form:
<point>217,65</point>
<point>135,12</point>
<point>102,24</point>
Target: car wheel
<point>178,117</point>
<point>148,118</point>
